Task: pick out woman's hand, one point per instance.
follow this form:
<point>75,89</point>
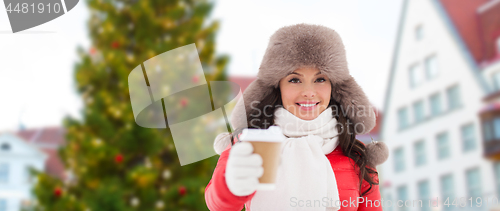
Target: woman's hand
<point>243,169</point>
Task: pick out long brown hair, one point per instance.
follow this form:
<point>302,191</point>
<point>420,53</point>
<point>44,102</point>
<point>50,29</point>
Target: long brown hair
<point>261,116</point>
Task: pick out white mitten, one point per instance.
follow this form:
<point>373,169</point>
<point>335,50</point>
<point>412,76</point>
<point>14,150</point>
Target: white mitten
<point>243,169</point>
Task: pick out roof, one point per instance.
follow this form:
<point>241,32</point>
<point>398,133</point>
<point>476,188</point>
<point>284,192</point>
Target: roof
<point>489,23</point>
<point>465,19</point>
<point>54,166</point>
<point>243,81</point>
<point>478,23</point>
<point>451,20</point>
<point>47,139</point>
<point>44,136</point>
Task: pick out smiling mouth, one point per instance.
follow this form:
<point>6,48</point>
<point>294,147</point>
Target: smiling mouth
<point>307,106</point>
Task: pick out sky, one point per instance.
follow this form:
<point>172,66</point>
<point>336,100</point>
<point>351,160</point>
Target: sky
<point>36,75</point>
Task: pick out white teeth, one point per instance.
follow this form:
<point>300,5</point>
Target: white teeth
<point>307,105</point>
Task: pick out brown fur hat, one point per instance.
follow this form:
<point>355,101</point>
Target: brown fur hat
<point>300,45</point>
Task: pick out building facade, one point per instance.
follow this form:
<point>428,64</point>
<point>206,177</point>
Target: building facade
<point>24,149</point>
<point>16,156</point>
<point>441,73</point>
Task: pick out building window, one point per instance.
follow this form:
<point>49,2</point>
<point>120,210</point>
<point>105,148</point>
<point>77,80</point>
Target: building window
<point>416,75</point>
<point>497,177</point>
<point>453,94</point>
<point>4,172</point>
<point>5,147</point>
<point>447,191</point>
<point>419,153</point>
<point>487,130</point>
<point>491,129</point>
<point>3,204</point>
<point>424,195</point>
<point>496,128</point>
<point>403,118</point>
<point>431,67</point>
<point>418,111</point>
<point>435,101</point>
<point>496,81</point>
<point>443,149</point>
<point>402,192</point>
<point>473,179</point>
<point>399,160</point>
<point>419,32</point>
<point>468,140</point>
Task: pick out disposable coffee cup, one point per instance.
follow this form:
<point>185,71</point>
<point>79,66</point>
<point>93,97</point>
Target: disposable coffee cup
<point>266,143</point>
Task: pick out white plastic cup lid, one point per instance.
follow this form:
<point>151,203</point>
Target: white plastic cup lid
<point>272,134</point>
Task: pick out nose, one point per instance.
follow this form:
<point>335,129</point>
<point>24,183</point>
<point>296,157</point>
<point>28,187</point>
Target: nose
<point>309,92</point>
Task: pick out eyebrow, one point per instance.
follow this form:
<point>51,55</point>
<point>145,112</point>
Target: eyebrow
<point>301,74</point>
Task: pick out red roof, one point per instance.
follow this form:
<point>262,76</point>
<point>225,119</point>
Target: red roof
<point>47,135</point>
<point>478,23</point>
<point>47,139</point>
<point>489,21</point>
<point>26,134</point>
<point>243,81</point>
<point>54,166</point>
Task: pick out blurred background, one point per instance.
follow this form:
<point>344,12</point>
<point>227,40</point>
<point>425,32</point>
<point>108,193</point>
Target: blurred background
<point>68,139</point>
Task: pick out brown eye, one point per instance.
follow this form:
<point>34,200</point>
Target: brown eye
<point>322,79</point>
<point>293,79</point>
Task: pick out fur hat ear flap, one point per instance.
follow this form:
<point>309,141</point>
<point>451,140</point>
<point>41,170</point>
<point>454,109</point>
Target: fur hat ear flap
<point>354,104</point>
<point>377,153</point>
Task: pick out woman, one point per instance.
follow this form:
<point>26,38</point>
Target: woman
<point>303,86</point>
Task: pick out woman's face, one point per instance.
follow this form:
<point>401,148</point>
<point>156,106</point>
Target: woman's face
<point>305,92</point>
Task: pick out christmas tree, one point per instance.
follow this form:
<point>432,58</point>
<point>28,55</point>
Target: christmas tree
<point>114,163</point>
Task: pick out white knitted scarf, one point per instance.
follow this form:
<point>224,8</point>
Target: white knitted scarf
<point>305,179</point>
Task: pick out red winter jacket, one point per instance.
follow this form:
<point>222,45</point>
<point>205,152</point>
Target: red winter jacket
<point>219,198</point>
